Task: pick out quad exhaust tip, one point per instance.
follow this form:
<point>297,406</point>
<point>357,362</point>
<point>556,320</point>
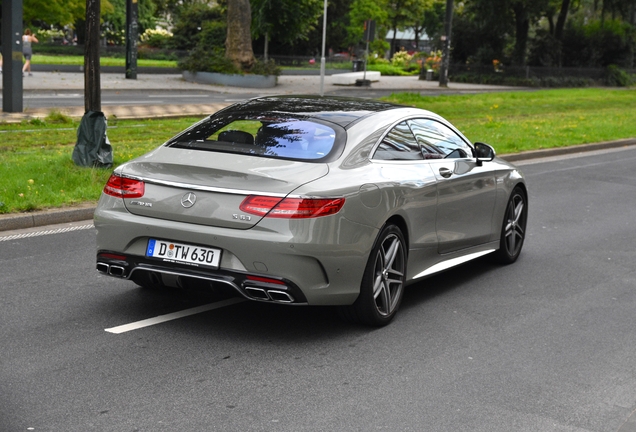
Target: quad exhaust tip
<point>269,295</point>
<point>255,293</point>
<point>113,270</point>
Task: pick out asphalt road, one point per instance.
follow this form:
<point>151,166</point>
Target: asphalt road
<point>75,98</point>
<point>546,344</point>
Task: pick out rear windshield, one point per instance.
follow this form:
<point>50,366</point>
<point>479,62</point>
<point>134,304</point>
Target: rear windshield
<point>266,137</point>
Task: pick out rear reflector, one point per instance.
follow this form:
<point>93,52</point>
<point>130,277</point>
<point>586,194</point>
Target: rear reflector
<point>122,187</point>
<point>265,280</point>
<point>112,256</point>
<point>291,208</point>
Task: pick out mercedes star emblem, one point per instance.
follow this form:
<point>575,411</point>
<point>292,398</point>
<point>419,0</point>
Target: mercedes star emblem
<point>188,200</point>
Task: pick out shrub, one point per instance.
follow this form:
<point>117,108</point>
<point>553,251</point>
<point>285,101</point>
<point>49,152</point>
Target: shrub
<point>202,60</point>
<point>189,26</point>
<point>266,68</point>
<point>156,38</point>
<point>401,59</point>
<point>617,77</point>
<point>56,116</point>
<point>50,36</point>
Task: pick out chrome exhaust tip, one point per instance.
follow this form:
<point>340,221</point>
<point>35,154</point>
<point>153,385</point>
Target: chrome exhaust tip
<point>102,267</point>
<point>256,293</point>
<point>280,296</point>
<point>116,271</point>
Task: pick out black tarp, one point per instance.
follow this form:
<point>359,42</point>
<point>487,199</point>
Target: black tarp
<point>92,148</point>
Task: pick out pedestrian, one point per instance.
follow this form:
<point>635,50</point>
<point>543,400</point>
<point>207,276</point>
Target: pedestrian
<point>27,39</point>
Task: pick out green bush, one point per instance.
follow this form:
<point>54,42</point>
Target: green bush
<point>193,26</point>
<point>617,77</point>
<point>266,68</point>
<point>390,70</point>
<point>213,34</point>
<point>202,60</point>
<point>544,82</point>
<point>156,38</point>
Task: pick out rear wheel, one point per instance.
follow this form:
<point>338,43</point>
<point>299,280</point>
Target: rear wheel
<point>513,230</point>
<point>382,286</point>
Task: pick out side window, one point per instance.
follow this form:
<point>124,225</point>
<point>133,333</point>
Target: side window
<point>438,140</point>
<point>399,144</point>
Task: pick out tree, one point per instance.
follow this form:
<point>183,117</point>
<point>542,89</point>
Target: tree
<point>284,21</point>
<point>194,23</point>
<point>362,10</point>
<point>433,22</point>
<point>58,12</point>
<point>404,13</point>
<point>115,19</point>
<point>238,46</point>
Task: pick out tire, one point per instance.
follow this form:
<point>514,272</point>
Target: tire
<point>513,229</point>
<point>382,286</point>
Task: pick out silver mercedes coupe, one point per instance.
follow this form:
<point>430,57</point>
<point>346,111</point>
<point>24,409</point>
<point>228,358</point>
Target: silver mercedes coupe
<point>308,200</point>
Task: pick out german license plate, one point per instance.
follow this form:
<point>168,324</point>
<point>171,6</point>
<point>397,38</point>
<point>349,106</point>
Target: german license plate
<point>183,253</point>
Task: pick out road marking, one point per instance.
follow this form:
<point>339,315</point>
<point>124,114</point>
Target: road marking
<point>58,96</point>
<point>39,233</point>
<point>173,316</point>
<point>179,96</point>
<point>128,102</point>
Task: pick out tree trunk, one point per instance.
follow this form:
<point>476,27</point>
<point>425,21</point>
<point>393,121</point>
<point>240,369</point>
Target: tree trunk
<point>238,45</point>
<point>560,25</point>
<point>522,27</point>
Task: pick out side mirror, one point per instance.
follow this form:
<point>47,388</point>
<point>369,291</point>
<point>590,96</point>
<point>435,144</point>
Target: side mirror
<point>484,153</point>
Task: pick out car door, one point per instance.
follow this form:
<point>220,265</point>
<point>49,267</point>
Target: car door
<point>465,187</point>
<point>410,186</point>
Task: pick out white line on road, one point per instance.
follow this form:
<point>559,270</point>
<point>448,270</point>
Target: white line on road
<point>128,102</point>
<point>173,316</point>
<point>59,96</point>
<point>179,96</point>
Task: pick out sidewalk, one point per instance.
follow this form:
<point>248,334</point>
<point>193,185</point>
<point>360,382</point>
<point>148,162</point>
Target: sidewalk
<point>52,82</point>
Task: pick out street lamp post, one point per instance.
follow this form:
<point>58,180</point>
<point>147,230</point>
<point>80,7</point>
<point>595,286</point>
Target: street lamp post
<point>448,28</point>
<point>322,58</point>
<point>12,55</point>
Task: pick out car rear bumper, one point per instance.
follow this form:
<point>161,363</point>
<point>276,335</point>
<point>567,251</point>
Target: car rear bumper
<point>306,271</point>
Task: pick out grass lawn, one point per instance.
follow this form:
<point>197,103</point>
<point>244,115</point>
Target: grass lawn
<point>103,61</point>
<point>528,120</point>
<point>37,172</point>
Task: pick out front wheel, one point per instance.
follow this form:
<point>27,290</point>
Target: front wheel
<point>513,230</point>
<point>382,286</point>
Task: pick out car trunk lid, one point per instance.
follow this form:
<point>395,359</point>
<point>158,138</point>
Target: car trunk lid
<point>207,188</point>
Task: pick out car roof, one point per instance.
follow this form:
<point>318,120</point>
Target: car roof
<point>339,110</point>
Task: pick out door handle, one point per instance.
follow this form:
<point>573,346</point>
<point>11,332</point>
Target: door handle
<point>445,172</point>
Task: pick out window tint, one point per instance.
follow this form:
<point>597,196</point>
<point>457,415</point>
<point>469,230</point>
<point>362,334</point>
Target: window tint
<point>438,140</point>
<point>399,144</point>
<point>278,138</point>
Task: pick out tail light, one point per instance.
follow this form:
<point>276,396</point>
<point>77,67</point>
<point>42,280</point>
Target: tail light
<point>122,187</point>
<point>291,208</point>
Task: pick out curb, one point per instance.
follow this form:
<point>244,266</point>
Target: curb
<point>123,112</point>
<point>11,222</point>
<point>85,211</point>
<point>580,148</point>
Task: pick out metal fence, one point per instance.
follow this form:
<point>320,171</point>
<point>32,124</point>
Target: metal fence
<point>529,72</point>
